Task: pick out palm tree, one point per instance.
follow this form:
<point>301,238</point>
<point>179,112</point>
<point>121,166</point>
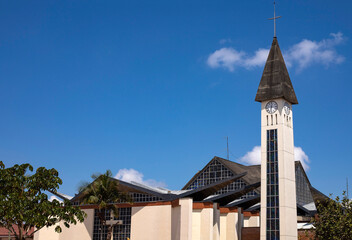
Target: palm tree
<point>104,193</point>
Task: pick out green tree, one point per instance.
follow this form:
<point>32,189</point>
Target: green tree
<point>334,219</point>
<point>104,193</point>
<point>23,202</point>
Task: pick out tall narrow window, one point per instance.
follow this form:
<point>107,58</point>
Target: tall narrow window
<point>267,120</point>
<point>272,186</point>
<point>272,121</point>
<point>120,232</point>
<point>123,231</point>
<point>276,118</point>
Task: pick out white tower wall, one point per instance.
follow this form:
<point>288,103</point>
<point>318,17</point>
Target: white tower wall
<point>286,170</point>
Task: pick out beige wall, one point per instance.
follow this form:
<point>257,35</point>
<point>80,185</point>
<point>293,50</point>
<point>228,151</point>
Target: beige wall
<point>252,221</point>
<point>163,222</point>
<point>80,231</point>
<point>208,224</point>
<point>151,223</point>
<point>196,221</point>
<point>202,224</point>
<point>229,223</point>
<point>223,226</point>
<point>47,234</point>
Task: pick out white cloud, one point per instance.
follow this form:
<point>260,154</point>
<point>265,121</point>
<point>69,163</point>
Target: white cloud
<point>300,155</point>
<point>307,52</point>
<point>258,59</point>
<point>230,58</point>
<point>132,175</point>
<point>226,58</point>
<point>301,55</point>
<point>253,157</point>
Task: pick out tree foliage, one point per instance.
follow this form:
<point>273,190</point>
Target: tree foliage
<point>25,205</point>
<point>334,219</point>
<point>104,193</point>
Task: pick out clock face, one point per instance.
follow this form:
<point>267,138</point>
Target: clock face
<point>287,108</point>
<point>271,107</point>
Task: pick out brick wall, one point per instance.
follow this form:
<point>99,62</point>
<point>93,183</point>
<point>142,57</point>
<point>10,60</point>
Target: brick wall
<point>305,235</point>
<point>253,233</point>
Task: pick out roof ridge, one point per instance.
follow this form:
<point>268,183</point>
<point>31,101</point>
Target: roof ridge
<point>226,160</point>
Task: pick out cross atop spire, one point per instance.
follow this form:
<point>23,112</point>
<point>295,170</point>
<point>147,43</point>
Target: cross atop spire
<point>274,18</point>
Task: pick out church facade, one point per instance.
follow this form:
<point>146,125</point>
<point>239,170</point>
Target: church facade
<point>225,200</point>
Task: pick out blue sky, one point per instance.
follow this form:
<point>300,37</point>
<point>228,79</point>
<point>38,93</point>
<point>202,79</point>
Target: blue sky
<point>156,86</point>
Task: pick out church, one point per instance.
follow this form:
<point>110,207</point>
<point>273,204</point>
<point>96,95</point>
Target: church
<point>225,200</point>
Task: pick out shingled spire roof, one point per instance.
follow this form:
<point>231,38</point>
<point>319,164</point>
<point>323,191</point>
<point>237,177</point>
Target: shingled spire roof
<point>275,82</point>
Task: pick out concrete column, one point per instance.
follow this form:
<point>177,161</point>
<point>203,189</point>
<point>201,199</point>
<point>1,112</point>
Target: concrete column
<point>181,219</point>
<point>186,218</point>
<point>239,223</point>
<point>216,222</point>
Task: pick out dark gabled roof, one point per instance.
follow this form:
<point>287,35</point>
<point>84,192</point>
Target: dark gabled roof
<point>226,198</point>
<point>275,82</point>
<point>201,193</point>
<point>317,195</point>
<point>245,203</point>
<point>252,176</point>
<point>304,211</point>
<point>298,164</point>
<point>129,187</point>
<point>255,207</point>
<point>253,171</point>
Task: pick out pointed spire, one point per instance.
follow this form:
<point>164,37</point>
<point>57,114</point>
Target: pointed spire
<point>275,82</point>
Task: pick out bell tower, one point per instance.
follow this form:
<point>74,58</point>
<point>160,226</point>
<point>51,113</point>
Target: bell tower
<point>278,209</point>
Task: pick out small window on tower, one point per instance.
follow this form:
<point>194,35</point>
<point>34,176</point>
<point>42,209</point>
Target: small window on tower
<point>276,118</point>
<point>272,121</point>
<point>267,120</point>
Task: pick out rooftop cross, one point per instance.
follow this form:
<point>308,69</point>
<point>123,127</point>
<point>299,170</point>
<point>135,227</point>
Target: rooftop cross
<point>274,18</point>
